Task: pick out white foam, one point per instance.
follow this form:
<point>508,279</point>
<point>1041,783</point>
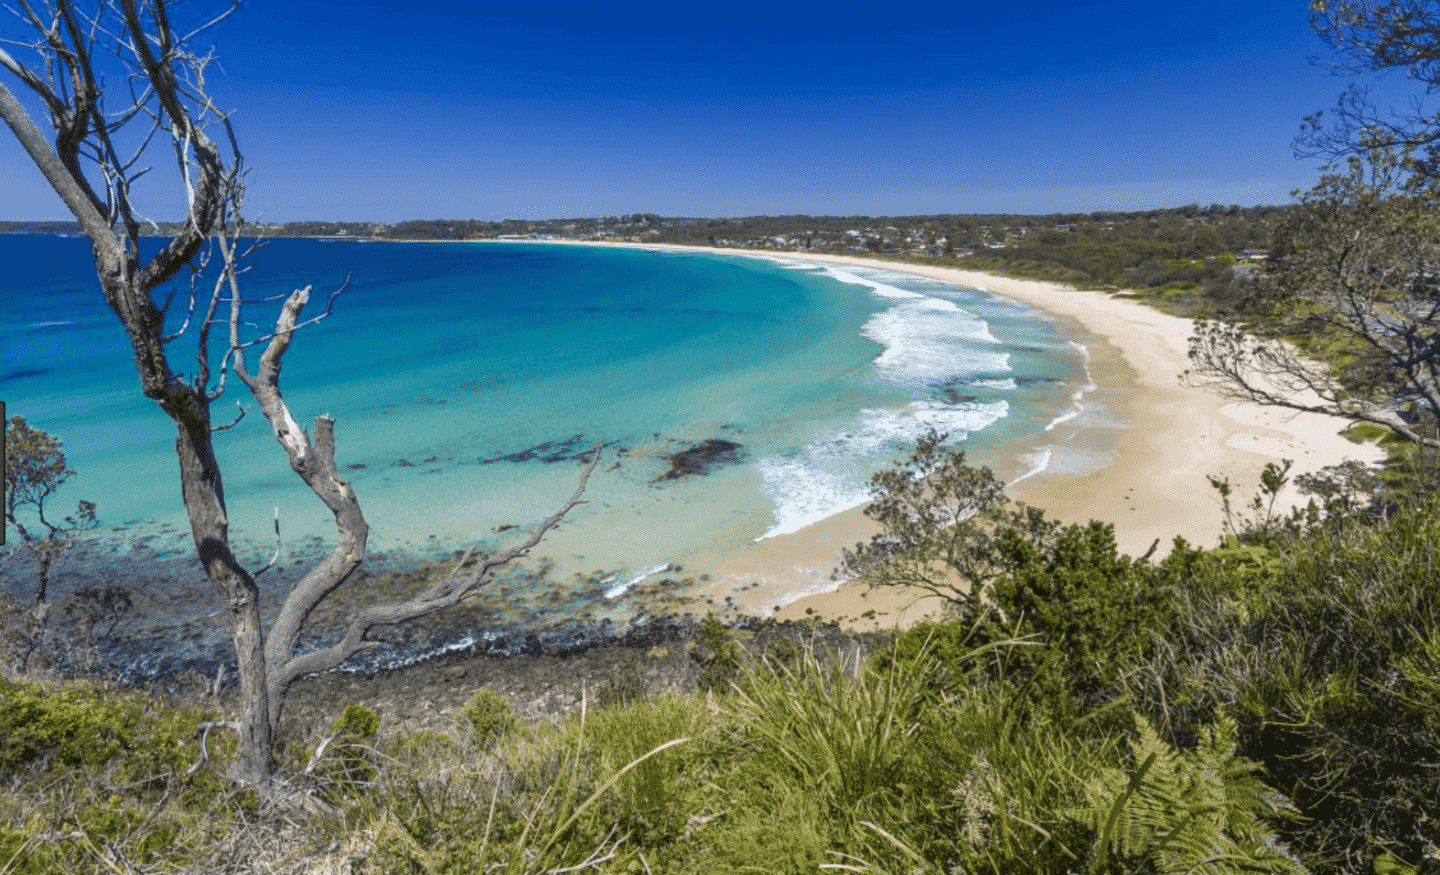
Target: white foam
<point>1008,383</point>
<point>1068,415</point>
<point>619,589</point>
<point>930,341</point>
<point>1079,394</point>
<point>883,290</point>
<point>831,474</point>
<point>1039,462</point>
<point>927,340</point>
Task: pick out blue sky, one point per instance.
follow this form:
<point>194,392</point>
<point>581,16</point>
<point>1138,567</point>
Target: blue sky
<point>394,110</point>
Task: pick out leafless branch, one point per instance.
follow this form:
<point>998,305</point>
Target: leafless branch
<point>271,563</point>
<point>234,422</point>
<point>442,593</point>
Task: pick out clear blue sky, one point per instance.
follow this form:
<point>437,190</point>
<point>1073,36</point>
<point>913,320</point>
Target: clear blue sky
<point>531,109</point>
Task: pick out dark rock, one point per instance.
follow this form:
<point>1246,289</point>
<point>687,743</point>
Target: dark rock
<point>550,451</point>
<point>699,458</point>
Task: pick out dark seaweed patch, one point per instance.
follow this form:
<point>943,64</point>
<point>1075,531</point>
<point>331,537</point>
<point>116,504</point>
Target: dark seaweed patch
<point>698,459</point>
<point>550,451</point>
<point>953,397</point>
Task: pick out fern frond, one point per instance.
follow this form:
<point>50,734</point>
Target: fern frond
<point>1197,812</point>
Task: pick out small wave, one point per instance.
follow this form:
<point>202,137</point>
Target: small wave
<point>619,589</point>
<point>831,475</point>
<point>927,339</point>
<point>1068,415</point>
<point>1006,384</point>
<point>1038,462</point>
<point>50,324</point>
<point>884,290</point>
<point>1080,393</point>
<point>930,341</point>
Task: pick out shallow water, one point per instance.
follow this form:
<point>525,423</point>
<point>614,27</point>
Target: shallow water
<point>469,381</point>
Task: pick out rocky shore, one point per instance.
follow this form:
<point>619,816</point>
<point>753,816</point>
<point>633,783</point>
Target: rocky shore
<point>172,641</point>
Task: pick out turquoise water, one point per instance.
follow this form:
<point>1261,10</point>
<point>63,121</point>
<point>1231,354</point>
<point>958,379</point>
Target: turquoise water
<point>468,381</point>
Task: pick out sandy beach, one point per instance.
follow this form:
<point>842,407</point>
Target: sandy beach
<point>1157,488</point>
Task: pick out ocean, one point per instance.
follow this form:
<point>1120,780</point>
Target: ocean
<point>470,381</point>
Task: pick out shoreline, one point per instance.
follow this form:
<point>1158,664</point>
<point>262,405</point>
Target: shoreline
<point>1156,488</point>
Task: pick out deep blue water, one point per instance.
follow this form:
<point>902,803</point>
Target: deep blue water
<point>468,379</point>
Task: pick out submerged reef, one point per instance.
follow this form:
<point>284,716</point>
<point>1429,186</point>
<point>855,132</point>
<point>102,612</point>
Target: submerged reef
<point>698,458</point>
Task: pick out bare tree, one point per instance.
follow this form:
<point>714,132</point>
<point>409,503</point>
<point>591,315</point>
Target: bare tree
<point>1360,278</point>
<point>164,97</point>
<point>1359,274</point>
<point>1374,36</point>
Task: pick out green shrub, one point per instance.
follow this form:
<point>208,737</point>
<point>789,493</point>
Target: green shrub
<point>347,758</point>
<point>1332,676</point>
<point>489,715</point>
<point>717,656</point>
<point>356,723</point>
<point>1091,608</point>
<point>73,725</point>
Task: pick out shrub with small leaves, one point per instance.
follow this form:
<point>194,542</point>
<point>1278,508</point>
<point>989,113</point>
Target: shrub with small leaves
<point>716,654</point>
<point>345,758</point>
<point>489,715</point>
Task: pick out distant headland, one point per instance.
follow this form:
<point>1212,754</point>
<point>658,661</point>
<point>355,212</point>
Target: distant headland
<point>1181,249</point>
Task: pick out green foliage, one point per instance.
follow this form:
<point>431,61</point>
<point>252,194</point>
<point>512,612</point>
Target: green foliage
<point>1321,638</point>
<point>345,759</point>
<point>1341,699</point>
<point>716,654</point>
<point>451,818</point>
<point>1171,812</point>
<point>1086,609</point>
<point>356,723</point>
<point>942,523</point>
<point>423,748</point>
<point>1090,608</point>
<point>489,715</point>
<point>649,799</point>
<point>844,730</point>
<point>74,725</point>
<point>95,775</point>
<point>34,469</point>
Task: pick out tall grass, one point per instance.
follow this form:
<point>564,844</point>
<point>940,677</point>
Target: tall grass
<point>1306,660</point>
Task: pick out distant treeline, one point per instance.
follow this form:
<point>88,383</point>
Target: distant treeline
<point>1192,258</point>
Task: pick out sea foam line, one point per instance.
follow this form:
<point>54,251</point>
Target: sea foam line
<point>1039,461</point>
<point>1079,394</point>
<point>830,475</point>
<point>620,588</point>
